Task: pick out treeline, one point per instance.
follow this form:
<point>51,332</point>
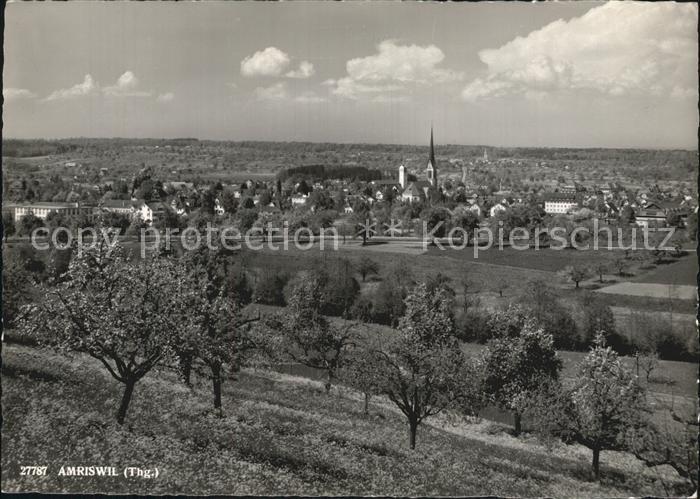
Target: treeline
<point>650,156</point>
<point>17,148</point>
<point>322,172</point>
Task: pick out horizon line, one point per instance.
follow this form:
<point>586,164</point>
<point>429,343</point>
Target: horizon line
<point>611,148</point>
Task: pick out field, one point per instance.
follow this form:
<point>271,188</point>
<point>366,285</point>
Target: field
<point>508,270</point>
<point>652,290</point>
<point>280,435</point>
<point>684,272</point>
<point>545,259</point>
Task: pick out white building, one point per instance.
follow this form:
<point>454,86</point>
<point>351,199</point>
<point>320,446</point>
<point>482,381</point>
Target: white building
<point>299,199</point>
<point>402,176</point>
<point>559,202</point>
<point>42,210</point>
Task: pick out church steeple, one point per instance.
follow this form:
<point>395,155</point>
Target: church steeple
<point>432,171</point>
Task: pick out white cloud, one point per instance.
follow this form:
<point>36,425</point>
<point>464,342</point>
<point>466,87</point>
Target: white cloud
<point>352,89</point>
<point>392,69</point>
<point>310,98</point>
<point>87,87</point>
<point>306,70</point>
<point>166,97</point>
<point>403,63</point>
<point>278,91</point>
<point>269,62</point>
<point>619,48</point>
<point>10,94</point>
<point>126,86</point>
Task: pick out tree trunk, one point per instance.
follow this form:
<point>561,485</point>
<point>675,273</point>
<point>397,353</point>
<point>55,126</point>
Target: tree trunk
<point>329,378</point>
<point>186,369</point>
<point>601,277</point>
<point>413,428</point>
<point>366,408</point>
<point>576,284</point>
<point>517,423</point>
<point>596,463</point>
<point>126,398</point>
<point>216,381</point>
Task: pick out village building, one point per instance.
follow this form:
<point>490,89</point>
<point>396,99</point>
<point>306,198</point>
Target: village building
<point>560,202</point>
<point>299,199</point>
<point>42,210</point>
<point>420,189</point>
<point>651,215</point>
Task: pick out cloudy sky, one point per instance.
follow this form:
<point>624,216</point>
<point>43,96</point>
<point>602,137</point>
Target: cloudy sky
<point>585,74</point>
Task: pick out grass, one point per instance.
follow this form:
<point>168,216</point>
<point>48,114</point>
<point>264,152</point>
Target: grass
<point>490,271</point>
<point>545,259</point>
<point>280,435</point>
<point>684,271</point>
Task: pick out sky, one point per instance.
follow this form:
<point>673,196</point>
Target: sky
<point>553,74</point>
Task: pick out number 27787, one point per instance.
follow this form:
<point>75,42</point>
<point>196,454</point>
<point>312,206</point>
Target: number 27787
<point>32,470</point>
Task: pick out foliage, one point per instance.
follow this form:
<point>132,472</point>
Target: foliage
<point>15,291</point>
<point>472,325</point>
<point>602,410</point>
<point>596,316</point>
<point>515,367</point>
<point>366,266</point>
<point>467,220</point>
<point>388,299</point>
<point>118,312</point>
<point>437,221</point>
<point>246,218</point>
<point>362,372</point>
<point>269,288</point>
<point>214,328</point>
<point>672,441</point>
<point>322,172</point>
<point>620,265</point>
<point>423,371</point>
<point>305,336</point>
<point>647,362</point>
<point>545,307</point>
<point>28,223</point>
<point>520,216</point>
<point>600,269</point>
<point>340,288</point>
<point>575,274</point>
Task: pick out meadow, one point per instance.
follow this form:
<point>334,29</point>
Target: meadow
<point>496,275</point>
<point>279,435</point>
<point>684,272</point>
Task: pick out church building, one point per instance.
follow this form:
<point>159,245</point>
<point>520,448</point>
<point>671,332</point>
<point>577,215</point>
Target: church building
<point>420,189</point>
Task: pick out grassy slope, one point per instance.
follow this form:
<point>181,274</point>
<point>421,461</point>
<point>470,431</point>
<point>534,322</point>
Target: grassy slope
<point>281,435</point>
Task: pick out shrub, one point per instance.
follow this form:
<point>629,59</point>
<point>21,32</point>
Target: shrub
<point>269,288</point>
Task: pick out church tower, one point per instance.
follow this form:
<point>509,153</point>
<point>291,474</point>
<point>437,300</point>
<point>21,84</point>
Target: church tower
<point>431,170</point>
<point>402,176</point>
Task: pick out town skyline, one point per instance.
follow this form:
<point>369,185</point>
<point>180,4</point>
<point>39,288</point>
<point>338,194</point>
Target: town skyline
<point>340,74</point>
